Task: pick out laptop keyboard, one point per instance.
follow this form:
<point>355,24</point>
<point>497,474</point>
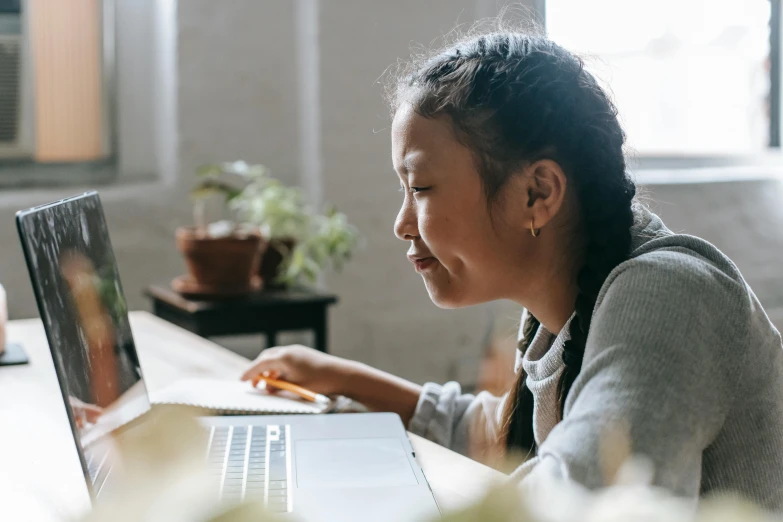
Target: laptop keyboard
<point>252,462</point>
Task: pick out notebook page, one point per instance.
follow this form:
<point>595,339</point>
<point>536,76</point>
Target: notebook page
<point>229,395</point>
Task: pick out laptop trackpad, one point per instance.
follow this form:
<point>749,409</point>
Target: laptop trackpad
<point>352,463</point>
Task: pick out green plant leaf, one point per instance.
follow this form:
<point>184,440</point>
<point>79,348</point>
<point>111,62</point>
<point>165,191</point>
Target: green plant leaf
<point>211,186</point>
<point>281,213</point>
<point>210,169</point>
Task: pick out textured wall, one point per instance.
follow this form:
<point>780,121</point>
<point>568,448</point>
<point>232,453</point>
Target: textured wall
<point>237,83</point>
<point>743,219</point>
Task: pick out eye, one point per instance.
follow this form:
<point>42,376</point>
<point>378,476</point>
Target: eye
<point>414,190</point>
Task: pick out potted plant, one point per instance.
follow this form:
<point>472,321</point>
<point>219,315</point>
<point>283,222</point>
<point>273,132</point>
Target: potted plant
<point>301,243</point>
<point>331,243</point>
<point>222,256</point>
<point>281,215</point>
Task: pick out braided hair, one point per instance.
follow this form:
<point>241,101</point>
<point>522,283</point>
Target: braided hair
<point>514,99</point>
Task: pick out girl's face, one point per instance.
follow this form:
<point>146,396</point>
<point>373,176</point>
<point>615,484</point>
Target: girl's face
<point>465,254</point>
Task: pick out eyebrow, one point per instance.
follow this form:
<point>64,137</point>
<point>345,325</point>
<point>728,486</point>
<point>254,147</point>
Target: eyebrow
<point>411,160</point>
<point>404,168</point>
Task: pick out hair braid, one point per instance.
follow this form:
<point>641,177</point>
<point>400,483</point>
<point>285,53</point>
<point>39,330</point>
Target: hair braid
<point>607,218</point>
<point>518,410</point>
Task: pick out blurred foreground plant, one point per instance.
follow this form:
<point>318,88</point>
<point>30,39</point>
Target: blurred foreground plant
<point>161,476</point>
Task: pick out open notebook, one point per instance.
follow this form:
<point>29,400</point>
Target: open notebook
<point>231,397</point>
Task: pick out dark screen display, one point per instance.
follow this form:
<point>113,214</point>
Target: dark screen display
<point>85,314</point>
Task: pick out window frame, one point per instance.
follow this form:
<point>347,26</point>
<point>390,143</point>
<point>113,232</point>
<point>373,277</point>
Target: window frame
<point>774,73</point>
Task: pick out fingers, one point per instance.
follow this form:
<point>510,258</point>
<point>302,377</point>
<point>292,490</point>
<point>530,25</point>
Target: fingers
<point>92,412</point>
<point>270,388</point>
<point>273,363</point>
<point>270,369</point>
<point>263,363</point>
<point>267,366</point>
<point>263,376</point>
<point>85,413</point>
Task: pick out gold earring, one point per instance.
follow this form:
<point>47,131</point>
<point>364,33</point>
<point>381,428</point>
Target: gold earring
<point>534,231</point>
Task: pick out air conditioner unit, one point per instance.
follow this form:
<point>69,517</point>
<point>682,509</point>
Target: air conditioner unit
<point>15,90</point>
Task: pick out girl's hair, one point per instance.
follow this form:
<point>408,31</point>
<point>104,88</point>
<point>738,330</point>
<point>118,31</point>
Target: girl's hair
<point>513,99</point>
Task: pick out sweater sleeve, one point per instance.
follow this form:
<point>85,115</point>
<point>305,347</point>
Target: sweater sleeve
<point>661,364</point>
<point>465,423</point>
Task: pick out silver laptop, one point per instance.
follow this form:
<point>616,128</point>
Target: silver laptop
<point>337,467</point>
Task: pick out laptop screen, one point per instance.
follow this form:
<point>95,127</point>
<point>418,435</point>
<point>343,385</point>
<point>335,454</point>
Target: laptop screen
<point>83,308</point>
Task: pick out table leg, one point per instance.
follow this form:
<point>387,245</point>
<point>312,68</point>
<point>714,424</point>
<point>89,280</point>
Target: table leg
<point>321,334</point>
<point>271,338</point>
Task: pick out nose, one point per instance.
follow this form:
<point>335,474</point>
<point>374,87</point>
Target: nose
<point>406,226</point>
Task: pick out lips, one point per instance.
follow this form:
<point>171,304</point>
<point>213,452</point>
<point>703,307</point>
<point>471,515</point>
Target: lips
<point>422,263</point>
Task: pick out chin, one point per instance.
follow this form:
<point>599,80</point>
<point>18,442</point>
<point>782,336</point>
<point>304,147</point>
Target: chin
<point>447,297</point>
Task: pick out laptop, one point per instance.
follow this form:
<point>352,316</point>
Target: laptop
<point>335,467</point>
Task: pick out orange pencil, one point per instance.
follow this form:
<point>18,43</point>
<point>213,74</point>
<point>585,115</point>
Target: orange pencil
<point>293,388</point>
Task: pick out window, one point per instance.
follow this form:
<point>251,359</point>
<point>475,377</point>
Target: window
<point>689,77</point>
<point>55,65</point>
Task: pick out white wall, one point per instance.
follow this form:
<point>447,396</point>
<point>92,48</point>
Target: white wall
<point>237,84</point>
<point>743,219</point>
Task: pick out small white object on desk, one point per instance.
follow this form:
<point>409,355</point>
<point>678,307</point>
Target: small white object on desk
<point>12,354</point>
<point>3,318</point>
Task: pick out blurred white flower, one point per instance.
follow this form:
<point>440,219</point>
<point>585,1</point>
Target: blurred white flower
<point>637,503</point>
<point>729,508</point>
<point>236,167</point>
<point>631,499</point>
<point>502,504</point>
<point>243,169</point>
<point>161,476</point>
<point>219,229</point>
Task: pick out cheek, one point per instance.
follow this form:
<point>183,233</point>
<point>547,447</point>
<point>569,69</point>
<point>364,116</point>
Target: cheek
<point>457,235</point>
<point>440,229</point>
<point>432,225</point>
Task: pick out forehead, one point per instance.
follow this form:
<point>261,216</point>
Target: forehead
<point>415,135</point>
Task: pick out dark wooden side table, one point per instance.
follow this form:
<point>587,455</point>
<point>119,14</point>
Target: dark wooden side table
<point>266,312</point>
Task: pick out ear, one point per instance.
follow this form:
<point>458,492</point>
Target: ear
<point>545,190</point>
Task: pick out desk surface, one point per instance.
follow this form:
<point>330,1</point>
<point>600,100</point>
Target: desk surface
<point>37,452</point>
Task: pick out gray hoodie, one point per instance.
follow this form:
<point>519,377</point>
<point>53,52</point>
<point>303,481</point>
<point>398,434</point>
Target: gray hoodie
<point>680,353</point>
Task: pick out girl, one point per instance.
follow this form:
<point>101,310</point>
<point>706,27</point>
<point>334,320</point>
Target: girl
<point>510,159</point>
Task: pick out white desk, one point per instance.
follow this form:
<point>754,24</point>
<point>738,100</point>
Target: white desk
<point>37,452</point>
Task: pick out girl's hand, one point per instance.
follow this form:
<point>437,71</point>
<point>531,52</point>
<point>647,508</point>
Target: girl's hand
<point>330,375</point>
<point>309,368</point>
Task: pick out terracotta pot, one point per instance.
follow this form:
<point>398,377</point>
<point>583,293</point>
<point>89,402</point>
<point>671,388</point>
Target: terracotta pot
<point>225,262</point>
<point>272,259</point>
